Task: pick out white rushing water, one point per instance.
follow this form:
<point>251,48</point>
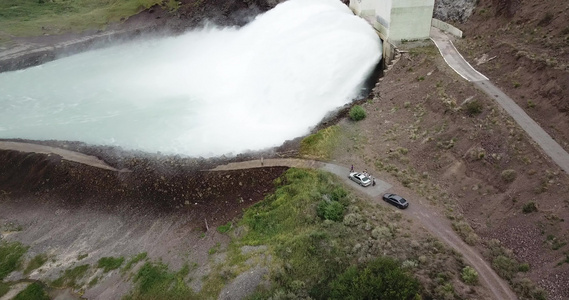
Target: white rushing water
<point>207,92</point>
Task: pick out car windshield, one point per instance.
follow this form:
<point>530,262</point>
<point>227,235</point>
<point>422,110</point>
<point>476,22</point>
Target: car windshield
<point>402,201</point>
<point>365,179</point>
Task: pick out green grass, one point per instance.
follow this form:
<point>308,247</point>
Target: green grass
<point>4,288</point>
<point>224,228</point>
<point>71,277</point>
<point>133,261</point>
<point>321,144</point>
<point>82,256</point>
<point>469,275</point>
<point>287,223</point>
<point>35,263</point>
<point>381,278</point>
<point>110,263</point>
<point>33,291</point>
<point>36,17</point>
<point>10,257</point>
<point>155,281</point>
<point>357,113</point>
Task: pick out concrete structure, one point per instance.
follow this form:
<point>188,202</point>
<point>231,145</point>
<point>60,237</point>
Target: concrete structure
<point>397,21</point>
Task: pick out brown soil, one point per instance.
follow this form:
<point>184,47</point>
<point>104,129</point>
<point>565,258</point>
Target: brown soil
<point>172,188</point>
<point>530,43</point>
<point>420,105</point>
<point>418,126</point>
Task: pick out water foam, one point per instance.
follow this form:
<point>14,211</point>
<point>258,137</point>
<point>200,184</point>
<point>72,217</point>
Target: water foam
<point>207,92</point>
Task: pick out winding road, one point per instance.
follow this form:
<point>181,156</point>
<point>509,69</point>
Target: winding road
<point>432,219</point>
<point>455,60</point>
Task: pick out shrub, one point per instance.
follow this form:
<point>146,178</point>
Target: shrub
<point>352,219</point>
<point>509,175</point>
<point>338,194</point>
<point>133,261</point>
<point>466,232</point>
<point>110,263</point>
<point>469,275</point>
<point>330,210</point>
<point>10,257</point>
<point>33,291</point>
<point>35,263</point>
<point>523,267</point>
<point>4,288</point>
<point>505,267</point>
<point>357,113</point>
<point>70,277</point>
<point>473,107</point>
<point>382,278</point>
<point>531,104</point>
<point>529,207</point>
<point>155,281</point>
<point>224,228</point>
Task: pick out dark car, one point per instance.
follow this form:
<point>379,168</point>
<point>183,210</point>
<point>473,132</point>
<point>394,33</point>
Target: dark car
<point>360,178</point>
<point>396,200</point>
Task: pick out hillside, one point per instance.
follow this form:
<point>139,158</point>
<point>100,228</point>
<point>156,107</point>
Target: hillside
<point>437,139</point>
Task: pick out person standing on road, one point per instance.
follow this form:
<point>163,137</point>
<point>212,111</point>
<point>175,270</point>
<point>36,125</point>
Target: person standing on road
<point>352,169</point>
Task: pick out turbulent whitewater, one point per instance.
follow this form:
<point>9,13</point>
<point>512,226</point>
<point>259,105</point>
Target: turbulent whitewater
<point>207,92</point>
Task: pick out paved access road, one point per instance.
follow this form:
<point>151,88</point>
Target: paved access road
<point>464,69</point>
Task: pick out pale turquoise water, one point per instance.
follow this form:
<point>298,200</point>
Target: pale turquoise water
<point>208,92</point>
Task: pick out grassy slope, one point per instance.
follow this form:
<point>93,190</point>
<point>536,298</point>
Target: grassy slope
<point>20,18</point>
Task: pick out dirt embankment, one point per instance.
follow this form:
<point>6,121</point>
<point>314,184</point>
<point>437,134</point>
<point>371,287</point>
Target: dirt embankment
<point>523,47</point>
<point>171,188</point>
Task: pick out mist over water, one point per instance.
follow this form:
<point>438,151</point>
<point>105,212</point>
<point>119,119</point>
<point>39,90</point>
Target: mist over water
<point>207,92</point>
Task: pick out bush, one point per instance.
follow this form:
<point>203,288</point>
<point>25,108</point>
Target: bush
<point>70,277</point>
<point>466,232</point>
<point>110,263</point>
<point>382,278</point>
<point>330,210</point>
<point>33,291</point>
<point>505,267</point>
<point>133,261</point>
<point>35,263</point>
<point>469,275</point>
<point>338,194</point>
<point>473,107</point>
<point>224,228</point>
<point>10,257</point>
<point>509,175</point>
<point>529,207</point>
<point>357,113</point>
<point>4,288</point>
<point>523,267</point>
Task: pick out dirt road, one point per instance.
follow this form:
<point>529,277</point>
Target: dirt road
<point>430,217</point>
<point>65,154</point>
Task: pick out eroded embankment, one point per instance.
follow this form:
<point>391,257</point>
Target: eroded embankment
<point>174,188</point>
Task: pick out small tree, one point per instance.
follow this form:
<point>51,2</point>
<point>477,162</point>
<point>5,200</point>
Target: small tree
<point>357,113</point>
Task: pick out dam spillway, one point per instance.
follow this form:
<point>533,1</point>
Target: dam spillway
<point>207,92</point>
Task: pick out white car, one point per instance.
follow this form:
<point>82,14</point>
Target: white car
<point>360,178</point>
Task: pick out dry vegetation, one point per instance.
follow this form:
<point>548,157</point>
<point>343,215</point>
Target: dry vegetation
<point>445,140</point>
